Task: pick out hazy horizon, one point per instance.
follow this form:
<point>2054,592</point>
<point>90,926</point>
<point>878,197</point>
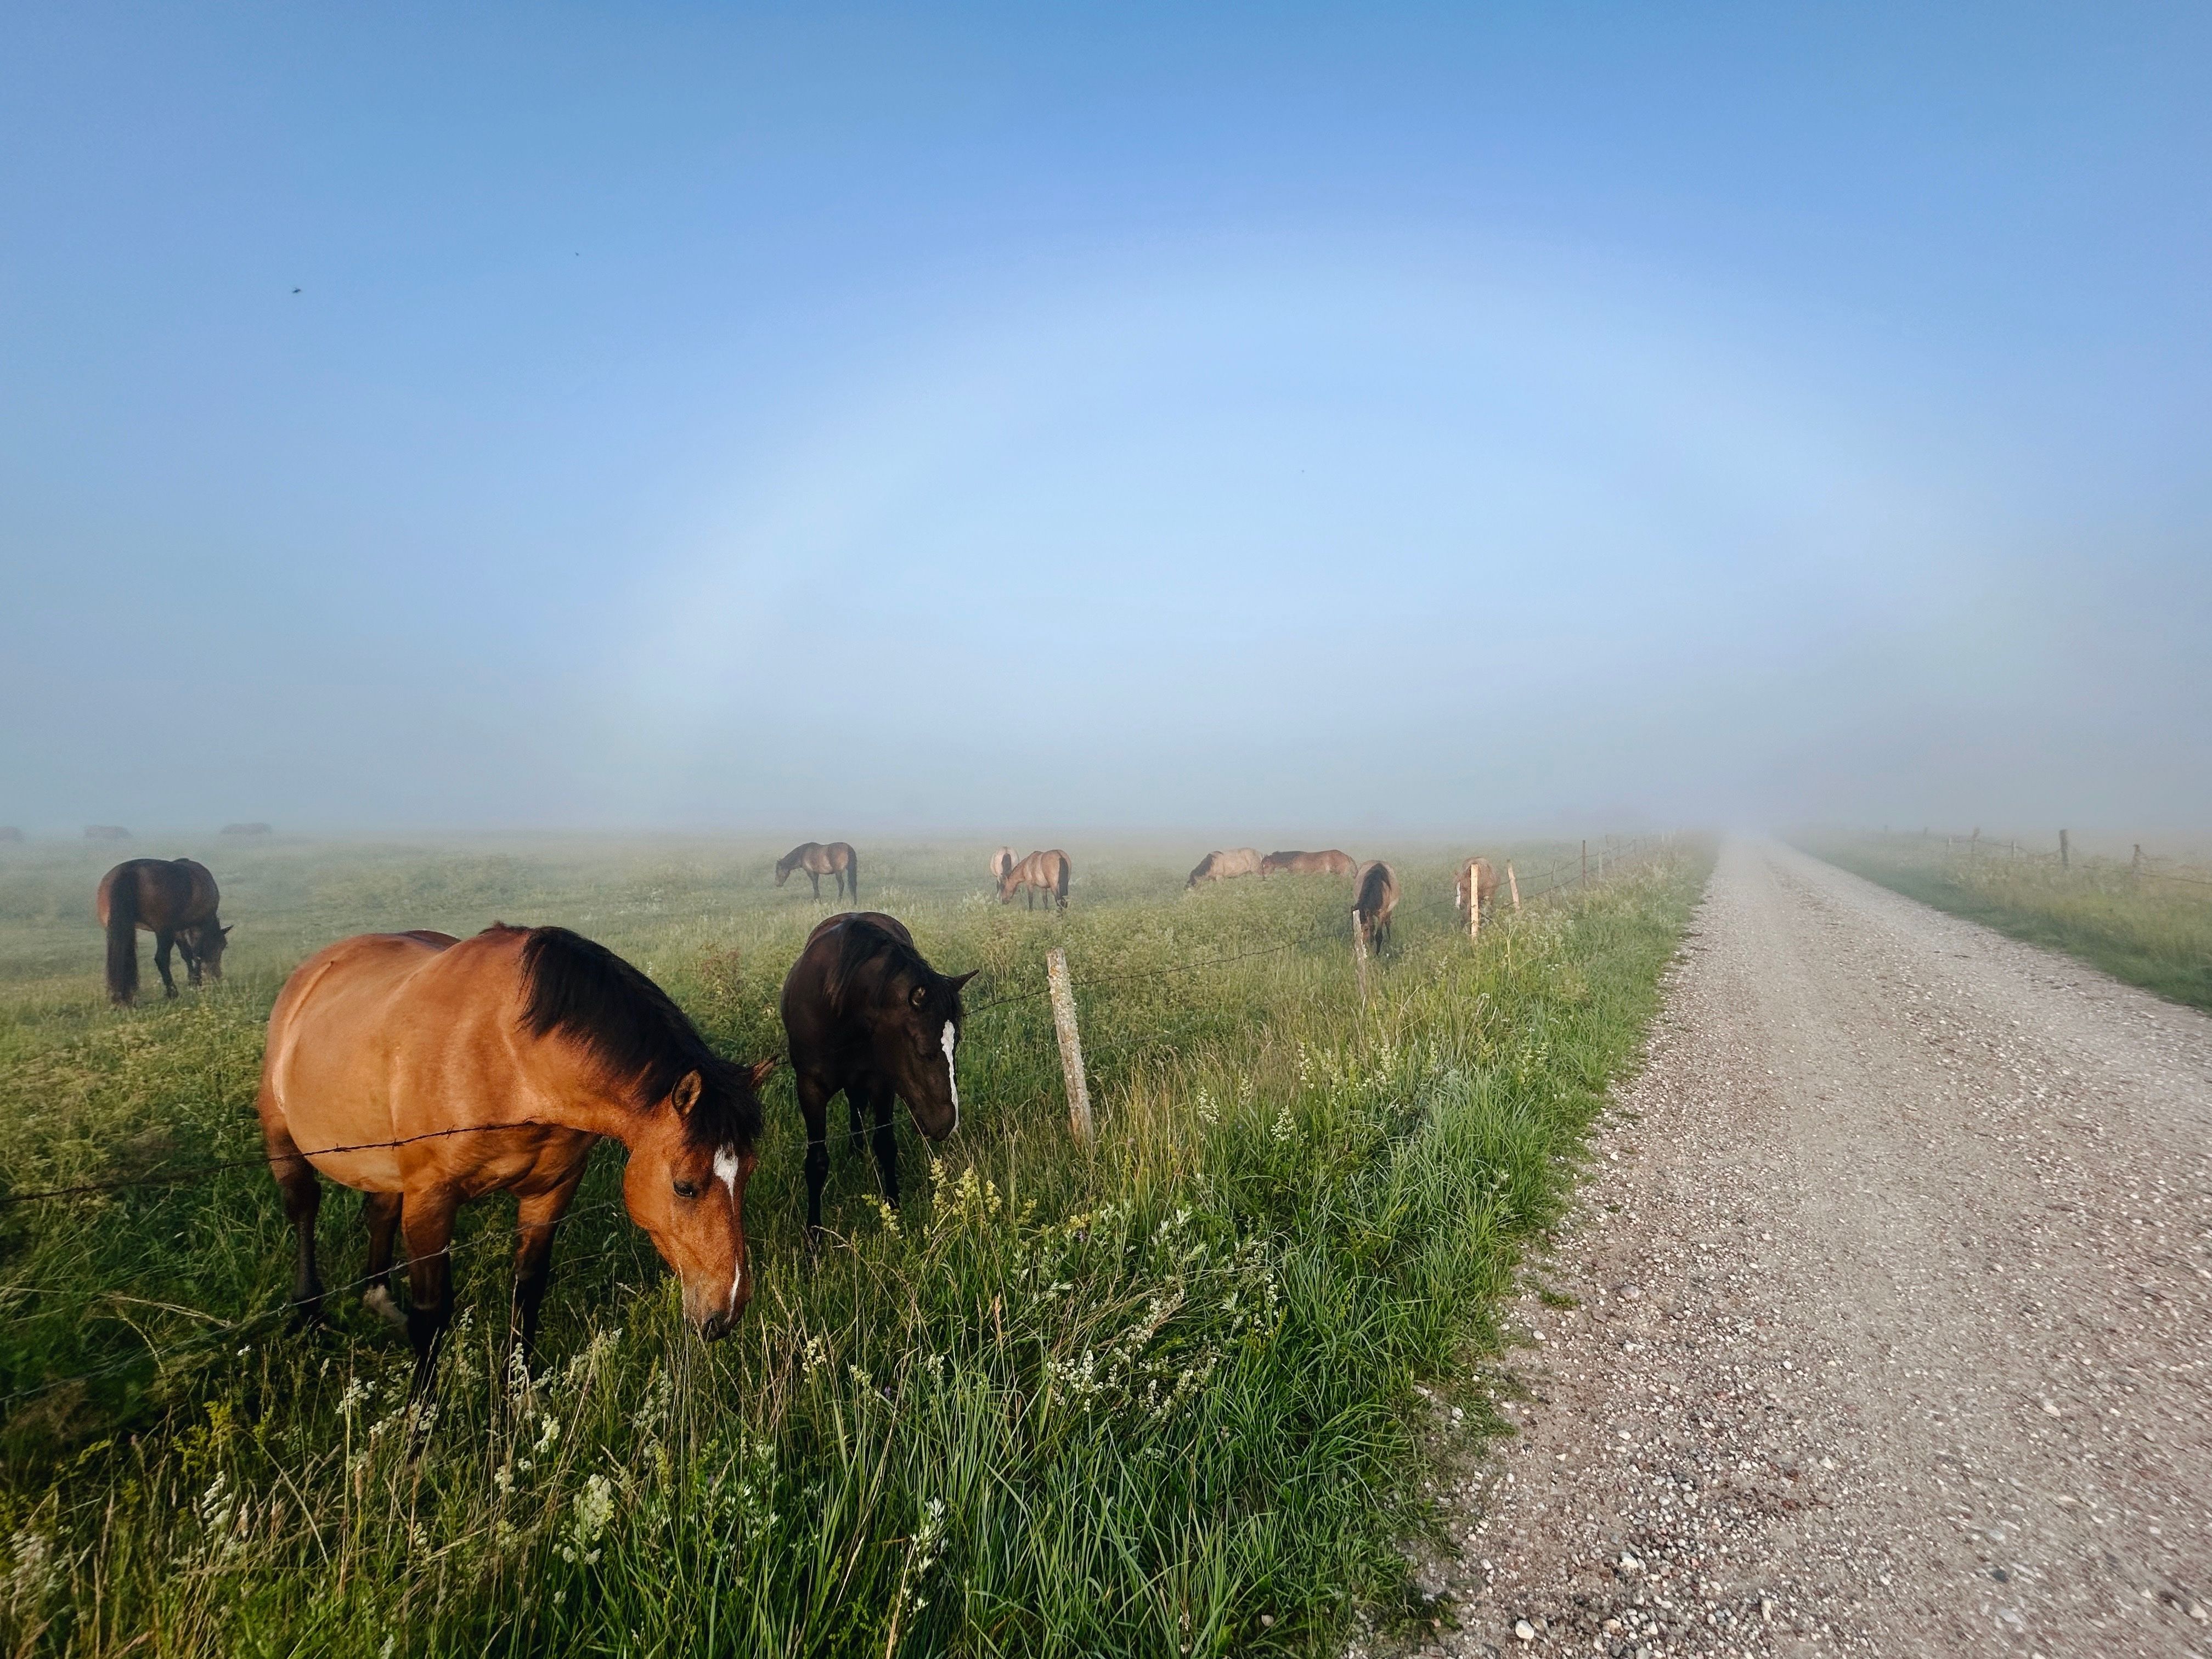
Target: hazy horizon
<point>857,422</point>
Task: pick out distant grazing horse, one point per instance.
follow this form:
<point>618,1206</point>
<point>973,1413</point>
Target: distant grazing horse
<point>1040,873</point>
<point>1375,895</point>
<point>1222,867</point>
<point>865,1013</point>
<point>172,899</point>
<point>837,859</point>
<point>1331,863</point>
<point>246,829</point>
<point>106,832</point>
<point>1001,862</point>
<point>9,832</point>
<point>426,1070</point>
<point>1483,879</point>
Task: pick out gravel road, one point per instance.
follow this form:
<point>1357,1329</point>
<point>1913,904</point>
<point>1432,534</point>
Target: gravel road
<point>1892,1321</point>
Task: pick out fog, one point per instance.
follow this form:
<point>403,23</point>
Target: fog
<point>852,423</point>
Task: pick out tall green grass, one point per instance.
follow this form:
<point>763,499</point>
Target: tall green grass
<point>2151,927</point>
<point>1155,1397</point>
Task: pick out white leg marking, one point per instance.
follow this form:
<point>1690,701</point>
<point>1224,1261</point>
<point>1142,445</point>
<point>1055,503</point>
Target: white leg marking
<point>953,1072</point>
<point>377,1300</point>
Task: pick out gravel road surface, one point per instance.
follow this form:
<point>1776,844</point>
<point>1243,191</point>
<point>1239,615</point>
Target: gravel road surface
<point>1892,1321</point>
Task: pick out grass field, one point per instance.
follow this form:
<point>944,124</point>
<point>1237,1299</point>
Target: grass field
<point>2149,924</point>
<point>1152,1399</point>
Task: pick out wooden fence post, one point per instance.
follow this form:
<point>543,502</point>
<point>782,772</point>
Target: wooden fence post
<point>2065,852</point>
<point>1513,887</point>
<point>2135,868</point>
<point>1071,1044</point>
<point>1585,861</point>
<point>1360,953</point>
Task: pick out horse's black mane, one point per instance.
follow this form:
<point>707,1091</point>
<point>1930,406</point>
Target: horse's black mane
<point>863,941</point>
<point>1372,886</point>
<point>586,992</point>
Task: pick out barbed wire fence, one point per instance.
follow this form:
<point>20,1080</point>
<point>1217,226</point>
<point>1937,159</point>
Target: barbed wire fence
<point>2061,856</point>
<point>1562,874</point>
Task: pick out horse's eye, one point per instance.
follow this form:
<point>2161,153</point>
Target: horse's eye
<point>921,995</point>
<point>687,1189</point>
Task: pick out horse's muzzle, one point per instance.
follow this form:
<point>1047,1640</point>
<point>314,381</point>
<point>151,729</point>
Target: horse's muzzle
<point>715,1327</point>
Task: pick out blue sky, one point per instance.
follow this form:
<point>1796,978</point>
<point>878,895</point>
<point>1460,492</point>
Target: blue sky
<point>1268,418</point>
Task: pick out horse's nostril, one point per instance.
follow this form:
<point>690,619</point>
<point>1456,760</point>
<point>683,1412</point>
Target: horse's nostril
<point>713,1327</point>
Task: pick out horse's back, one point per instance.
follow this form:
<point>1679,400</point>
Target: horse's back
<point>359,1017</point>
<point>171,892</point>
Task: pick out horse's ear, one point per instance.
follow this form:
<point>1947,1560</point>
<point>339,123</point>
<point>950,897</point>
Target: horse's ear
<point>959,980</point>
<point>685,1094</point>
<point>226,932</point>
<point>760,1069</point>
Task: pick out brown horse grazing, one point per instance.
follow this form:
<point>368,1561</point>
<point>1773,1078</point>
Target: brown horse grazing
<point>427,1070</point>
<point>865,1013</point>
<point>246,829</point>
<point>837,859</point>
<point>172,899</point>
<point>1001,862</point>
<point>106,832</point>
<point>1331,863</point>
<point>1223,866</point>
<point>1375,891</point>
<point>1475,872</point>
<point>9,832</point>
<point>1040,873</point>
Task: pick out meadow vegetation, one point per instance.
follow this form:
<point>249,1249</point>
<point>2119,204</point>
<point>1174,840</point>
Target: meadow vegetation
<point>2148,922</point>
<point>1153,1397</point>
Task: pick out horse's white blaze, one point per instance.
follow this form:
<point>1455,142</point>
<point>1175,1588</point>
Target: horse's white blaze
<point>726,1171</point>
<point>952,1072</point>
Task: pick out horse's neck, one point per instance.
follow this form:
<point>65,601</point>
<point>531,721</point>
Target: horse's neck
<point>575,1094</point>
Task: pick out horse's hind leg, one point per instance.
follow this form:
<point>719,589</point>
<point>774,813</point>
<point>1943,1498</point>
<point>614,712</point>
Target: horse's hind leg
<point>379,1213</point>
<point>164,942</point>
<point>303,1199</point>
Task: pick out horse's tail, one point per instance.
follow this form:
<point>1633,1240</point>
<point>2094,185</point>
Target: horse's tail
<point>122,939</point>
<point>1062,888</point>
<point>852,874</point>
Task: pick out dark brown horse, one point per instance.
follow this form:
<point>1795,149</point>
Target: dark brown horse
<point>1226,866</point>
<point>837,859</point>
<point>865,1012</point>
<point>1040,873</point>
<point>427,1070</point>
<point>1375,891</point>
<point>1478,874</point>
<point>172,899</point>
<point>1331,863</point>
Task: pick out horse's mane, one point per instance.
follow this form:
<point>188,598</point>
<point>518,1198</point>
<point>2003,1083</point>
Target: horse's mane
<point>863,943</point>
<point>1372,886</point>
<point>586,992</point>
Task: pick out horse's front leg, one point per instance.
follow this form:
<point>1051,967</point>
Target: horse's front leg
<point>814,1104</point>
<point>817,880</point>
<point>191,960</point>
<point>427,1222</point>
<point>164,942</point>
<point>883,1102</point>
<point>535,1219</point>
